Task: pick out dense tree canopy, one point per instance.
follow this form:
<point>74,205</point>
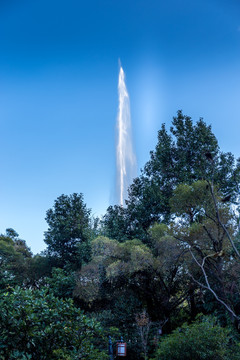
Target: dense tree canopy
<point>151,267</point>
<point>187,154</point>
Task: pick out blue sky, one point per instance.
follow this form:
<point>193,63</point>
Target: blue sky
<point>58,92</point>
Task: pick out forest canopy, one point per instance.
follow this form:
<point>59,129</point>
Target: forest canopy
<point>162,270</point>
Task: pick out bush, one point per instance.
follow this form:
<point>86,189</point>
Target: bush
<point>34,324</point>
<point>202,340</point>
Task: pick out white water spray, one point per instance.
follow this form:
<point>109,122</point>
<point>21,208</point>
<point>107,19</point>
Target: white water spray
<point>126,160</point>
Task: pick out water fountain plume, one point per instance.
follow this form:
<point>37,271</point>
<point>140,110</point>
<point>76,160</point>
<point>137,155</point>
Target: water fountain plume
<point>126,160</point>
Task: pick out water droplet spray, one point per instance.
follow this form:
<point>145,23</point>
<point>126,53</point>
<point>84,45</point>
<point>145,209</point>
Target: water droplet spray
<point>126,159</point>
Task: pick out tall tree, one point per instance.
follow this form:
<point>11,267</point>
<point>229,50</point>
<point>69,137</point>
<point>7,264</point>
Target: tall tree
<point>69,230</point>
<point>190,152</point>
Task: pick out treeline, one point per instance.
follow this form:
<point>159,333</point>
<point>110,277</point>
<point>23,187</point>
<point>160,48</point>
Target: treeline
<point>163,271</point>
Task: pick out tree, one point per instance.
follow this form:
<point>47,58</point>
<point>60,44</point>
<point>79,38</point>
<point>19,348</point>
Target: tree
<point>206,226</point>
<point>187,154</point>
<point>115,223</point>
<point>61,283</point>
<point>15,259</point>
<point>69,230</point>
<point>40,266</point>
<point>143,324</point>
<point>135,275</point>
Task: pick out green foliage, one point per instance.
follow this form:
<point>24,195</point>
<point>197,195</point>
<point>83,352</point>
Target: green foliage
<point>201,340</point>
<point>11,233</point>
<point>39,267</point>
<point>158,230</point>
<point>115,223</point>
<point>104,247</point>
<point>148,257</point>
<point>202,220</point>
<point>129,276</point>
<point>188,153</point>
<point>189,200</point>
<point>37,325</point>
<point>69,230</point>
<point>61,283</point>
<point>111,262</point>
<point>15,260</point>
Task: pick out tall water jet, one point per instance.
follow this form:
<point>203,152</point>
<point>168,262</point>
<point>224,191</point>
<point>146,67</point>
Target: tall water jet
<point>126,160</point>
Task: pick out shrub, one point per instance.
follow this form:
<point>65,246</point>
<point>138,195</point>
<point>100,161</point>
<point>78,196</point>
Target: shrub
<point>204,339</point>
<point>34,324</point>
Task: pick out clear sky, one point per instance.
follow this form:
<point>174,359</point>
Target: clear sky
<point>58,92</point>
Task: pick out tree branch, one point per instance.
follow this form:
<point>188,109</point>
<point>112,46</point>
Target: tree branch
<point>220,222</point>
<point>208,286</point>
